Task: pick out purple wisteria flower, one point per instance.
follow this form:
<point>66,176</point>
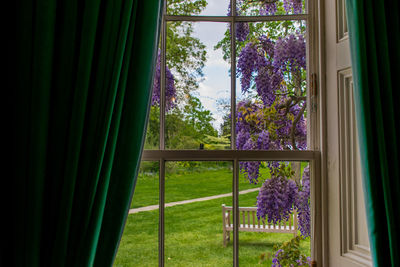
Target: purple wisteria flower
<point>302,204</point>
<point>268,8</point>
<point>296,5</point>
<point>276,198</point>
<point>275,260</point>
<point>247,64</point>
<point>290,53</point>
<point>242,28</point>
<point>268,46</point>
<point>268,81</point>
<point>284,128</point>
<point>242,31</point>
<point>170,90</point>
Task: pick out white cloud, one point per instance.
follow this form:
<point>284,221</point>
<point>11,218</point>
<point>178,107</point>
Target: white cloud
<point>216,8</point>
<point>216,82</point>
<point>214,58</point>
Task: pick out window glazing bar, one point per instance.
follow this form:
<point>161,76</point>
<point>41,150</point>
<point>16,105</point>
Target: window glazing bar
<point>235,184</point>
<point>161,214</point>
<point>161,200</point>
<point>162,80</point>
<point>233,76</point>
<point>237,18</point>
<point>235,205</point>
<point>226,155</point>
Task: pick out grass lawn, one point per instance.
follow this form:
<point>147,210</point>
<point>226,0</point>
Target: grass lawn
<point>193,238</point>
<point>193,232</point>
<point>182,185</point>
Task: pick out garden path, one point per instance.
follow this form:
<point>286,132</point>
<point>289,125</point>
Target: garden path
<point>154,207</point>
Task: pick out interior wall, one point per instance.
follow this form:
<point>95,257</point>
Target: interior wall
<point>347,230</point>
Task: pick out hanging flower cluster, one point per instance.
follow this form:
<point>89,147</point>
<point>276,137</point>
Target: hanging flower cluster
<point>170,90</point>
<point>269,7</point>
<point>302,204</point>
<point>242,28</point>
<point>275,119</point>
<point>276,198</point>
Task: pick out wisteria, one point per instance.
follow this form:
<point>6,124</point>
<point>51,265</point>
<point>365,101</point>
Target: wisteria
<point>302,204</point>
<point>275,260</point>
<point>268,81</point>
<point>271,66</point>
<point>242,31</point>
<point>290,52</point>
<point>296,5</point>
<point>247,64</point>
<point>281,258</point>
<point>268,8</point>
<point>170,90</point>
<point>275,120</point>
<point>276,198</point>
<point>242,28</point>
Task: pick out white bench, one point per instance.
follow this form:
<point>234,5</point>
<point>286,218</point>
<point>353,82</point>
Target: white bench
<point>249,222</point>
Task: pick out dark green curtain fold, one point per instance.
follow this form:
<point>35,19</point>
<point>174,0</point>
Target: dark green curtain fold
<point>82,76</point>
<point>374,30</point>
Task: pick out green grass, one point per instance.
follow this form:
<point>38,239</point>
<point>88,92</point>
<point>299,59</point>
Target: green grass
<point>193,235</point>
<point>183,185</point>
<point>193,232</point>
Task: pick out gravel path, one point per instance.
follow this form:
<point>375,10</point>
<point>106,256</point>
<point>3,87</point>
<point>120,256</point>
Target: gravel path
<point>154,207</point>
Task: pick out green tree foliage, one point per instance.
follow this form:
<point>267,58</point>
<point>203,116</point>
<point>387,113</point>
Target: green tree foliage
<point>289,254</point>
<point>225,127</point>
<point>185,7</point>
<point>185,129</point>
<point>198,117</point>
<point>273,28</point>
<point>185,54</point>
<point>188,123</point>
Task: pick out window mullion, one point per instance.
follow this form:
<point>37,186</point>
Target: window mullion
<point>235,205</point>
<point>233,76</point>
<point>235,183</point>
<point>161,201</point>
<point>162,80</point>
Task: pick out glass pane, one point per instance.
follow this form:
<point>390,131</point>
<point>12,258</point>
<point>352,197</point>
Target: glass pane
<point>244,8</point>
<point>198,90</point>
<point>275,216</point>
<point>152,140</point>
<point>272,87</point>
<point>139,242</point>
<point>271,7</point>
<point>198,7</point>
<point>194,194</point>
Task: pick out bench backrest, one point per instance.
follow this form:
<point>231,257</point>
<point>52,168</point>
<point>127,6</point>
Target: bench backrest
<point>248,221</point>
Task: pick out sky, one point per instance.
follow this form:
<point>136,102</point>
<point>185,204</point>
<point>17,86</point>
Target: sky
<point>216,83</point>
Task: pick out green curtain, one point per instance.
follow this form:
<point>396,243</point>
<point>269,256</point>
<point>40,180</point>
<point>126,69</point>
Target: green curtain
<point>81,77</point>
<point>374,32</point>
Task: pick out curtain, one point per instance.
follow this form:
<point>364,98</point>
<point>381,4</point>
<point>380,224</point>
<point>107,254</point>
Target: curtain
<point>81,76</point>
<point>374,32</point>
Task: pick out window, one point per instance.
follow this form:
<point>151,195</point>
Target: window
<point>269,23</point>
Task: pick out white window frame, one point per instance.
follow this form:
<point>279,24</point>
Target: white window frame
<point>316,144</point>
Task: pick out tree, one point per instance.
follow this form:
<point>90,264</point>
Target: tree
<point>199,118</point>
<point>187,121</point>
<point>185,54</point>
<point>272,69</point>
